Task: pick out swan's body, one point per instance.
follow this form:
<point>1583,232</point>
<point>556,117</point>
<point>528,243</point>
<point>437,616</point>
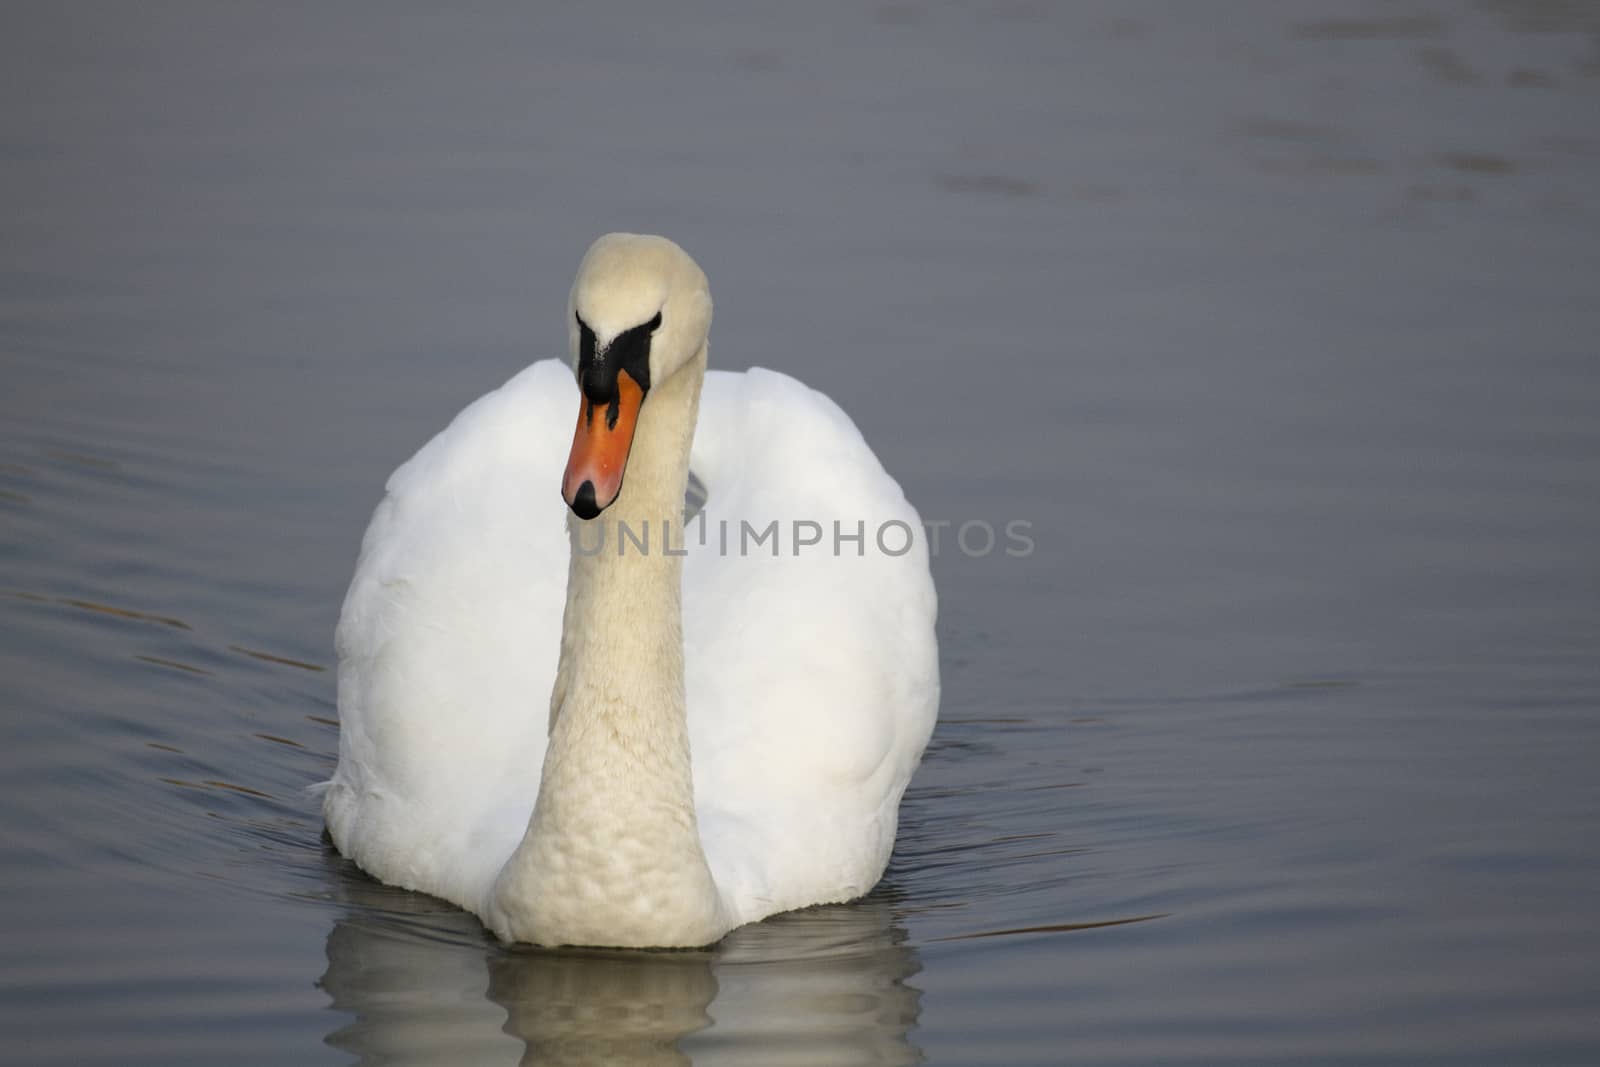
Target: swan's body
<point>527,732</point>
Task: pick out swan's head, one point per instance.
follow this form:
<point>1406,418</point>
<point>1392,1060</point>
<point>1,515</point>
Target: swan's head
<point>640,309</point>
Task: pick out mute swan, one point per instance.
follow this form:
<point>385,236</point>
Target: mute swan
<point>736,703</point>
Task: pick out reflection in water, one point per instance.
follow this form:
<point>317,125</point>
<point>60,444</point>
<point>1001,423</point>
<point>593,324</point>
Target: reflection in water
<point>424,984</point>
<point>630,1008</point>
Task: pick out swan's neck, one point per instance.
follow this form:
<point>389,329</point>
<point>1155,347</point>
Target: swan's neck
<point>612,853</point>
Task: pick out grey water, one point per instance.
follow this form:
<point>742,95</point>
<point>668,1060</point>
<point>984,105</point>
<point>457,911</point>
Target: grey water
<point>1275,325</point>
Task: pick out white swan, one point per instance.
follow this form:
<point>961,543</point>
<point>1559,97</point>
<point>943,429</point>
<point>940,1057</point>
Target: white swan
<point>709,757</point>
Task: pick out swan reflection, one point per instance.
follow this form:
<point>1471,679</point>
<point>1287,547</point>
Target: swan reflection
<point>424,984</point>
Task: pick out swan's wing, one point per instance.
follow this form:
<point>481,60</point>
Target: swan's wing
<point>812,673</point>
<point>447,645</point>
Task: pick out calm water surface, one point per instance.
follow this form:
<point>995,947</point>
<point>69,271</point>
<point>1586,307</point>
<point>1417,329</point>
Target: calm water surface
<point>1277,322</point>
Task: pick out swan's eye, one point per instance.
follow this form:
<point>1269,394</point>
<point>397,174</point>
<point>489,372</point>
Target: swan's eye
<point>655,323</point>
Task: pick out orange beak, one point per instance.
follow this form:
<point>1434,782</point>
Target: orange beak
<point>600,448</point>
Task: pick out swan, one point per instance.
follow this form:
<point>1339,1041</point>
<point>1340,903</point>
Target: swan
<point>736,702</point>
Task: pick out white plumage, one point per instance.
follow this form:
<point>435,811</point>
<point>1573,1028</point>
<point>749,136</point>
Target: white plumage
<point>809,677</point>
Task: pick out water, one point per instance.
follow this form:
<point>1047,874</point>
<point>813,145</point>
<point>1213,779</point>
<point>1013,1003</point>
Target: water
<point>1276,323</point>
